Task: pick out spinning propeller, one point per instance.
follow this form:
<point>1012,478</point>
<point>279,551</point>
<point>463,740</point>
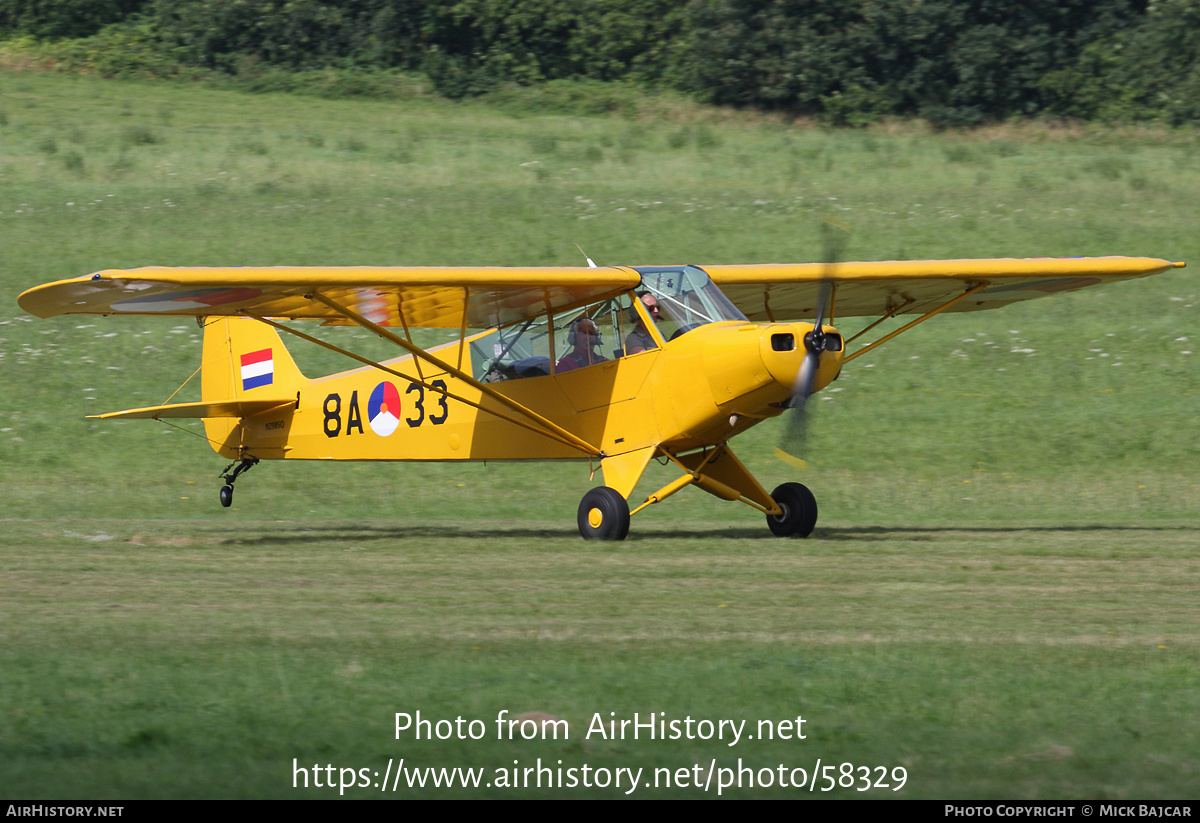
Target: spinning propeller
<point>834,235</point>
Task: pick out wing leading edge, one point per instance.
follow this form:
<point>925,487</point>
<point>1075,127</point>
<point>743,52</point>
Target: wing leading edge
<point>431,297</point>
<point>791,291</point>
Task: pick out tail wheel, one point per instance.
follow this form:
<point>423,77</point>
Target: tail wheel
<point>799,516</point>
<point>603,515</point>
<point>238,466</point>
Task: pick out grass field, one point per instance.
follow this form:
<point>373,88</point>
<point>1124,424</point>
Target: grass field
<point>1000,597</point>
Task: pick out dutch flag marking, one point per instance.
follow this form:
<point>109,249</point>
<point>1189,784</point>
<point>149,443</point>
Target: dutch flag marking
<point>258,369</point>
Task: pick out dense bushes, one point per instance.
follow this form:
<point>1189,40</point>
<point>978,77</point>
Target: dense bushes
<point>465,46</point>
<point>63,18</point>
<point>953,61</point>
<point>850,61</point>
<point>1148,71</point>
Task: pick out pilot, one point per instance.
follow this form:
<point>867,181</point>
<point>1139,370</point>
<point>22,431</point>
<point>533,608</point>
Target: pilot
<point>639,339</point>
<point>583,338</point>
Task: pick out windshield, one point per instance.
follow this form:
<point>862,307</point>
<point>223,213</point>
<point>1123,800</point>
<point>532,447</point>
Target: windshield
<point>686,298</point>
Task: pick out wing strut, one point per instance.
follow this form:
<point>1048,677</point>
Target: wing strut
<point>543,426</point>
<point>571,441</point>
<point>892,312</point>
<point>408,334</point>
<point>548,426</point>
<point>920,319</point>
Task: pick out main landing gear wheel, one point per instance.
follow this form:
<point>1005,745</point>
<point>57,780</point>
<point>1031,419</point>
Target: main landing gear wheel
<point>226,496</point>
<point>603,515</point>
<point>799,516</point>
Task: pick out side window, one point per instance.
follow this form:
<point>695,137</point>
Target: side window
<point>598,333</point>
<point>593,334</point>
<point>512,353</point>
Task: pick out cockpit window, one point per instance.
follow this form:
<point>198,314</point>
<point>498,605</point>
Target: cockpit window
<point>512,352</point>
<point>573,340</point>
<point>591,335</point>
<point>603,331</point>
<point>687,298</point>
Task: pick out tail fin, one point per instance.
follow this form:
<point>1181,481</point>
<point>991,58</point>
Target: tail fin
<point>243,360</point>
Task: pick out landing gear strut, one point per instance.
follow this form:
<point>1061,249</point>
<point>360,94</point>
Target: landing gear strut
<point>245,464</point>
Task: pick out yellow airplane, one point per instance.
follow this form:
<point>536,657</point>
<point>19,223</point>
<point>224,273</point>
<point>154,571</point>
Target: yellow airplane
<point>618,365</point>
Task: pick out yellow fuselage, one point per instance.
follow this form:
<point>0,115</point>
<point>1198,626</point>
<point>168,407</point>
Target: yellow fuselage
<point>698,390</point>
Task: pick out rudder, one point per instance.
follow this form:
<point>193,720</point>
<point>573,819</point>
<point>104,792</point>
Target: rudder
<point>243,359</point>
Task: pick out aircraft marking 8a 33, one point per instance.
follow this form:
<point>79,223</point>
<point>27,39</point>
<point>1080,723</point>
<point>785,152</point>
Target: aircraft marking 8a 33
<point>619,365</point>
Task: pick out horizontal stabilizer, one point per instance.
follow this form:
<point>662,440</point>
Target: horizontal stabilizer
<point>227,408</point>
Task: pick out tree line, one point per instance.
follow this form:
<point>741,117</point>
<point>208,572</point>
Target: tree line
<point>954,62</point>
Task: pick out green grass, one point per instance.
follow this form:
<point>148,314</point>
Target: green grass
<point>195,660</point>
<point>1000,595</point>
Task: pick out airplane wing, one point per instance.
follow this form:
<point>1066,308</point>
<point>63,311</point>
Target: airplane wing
<point>436,297</point>
<point>791,291</point>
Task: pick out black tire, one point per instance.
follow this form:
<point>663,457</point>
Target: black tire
<point>603,515</point>
<point>227,496</point>
<point>799,516</point>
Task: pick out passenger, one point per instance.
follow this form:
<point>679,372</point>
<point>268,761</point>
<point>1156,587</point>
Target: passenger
<point>639,339</point>
<point>583,339</point>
